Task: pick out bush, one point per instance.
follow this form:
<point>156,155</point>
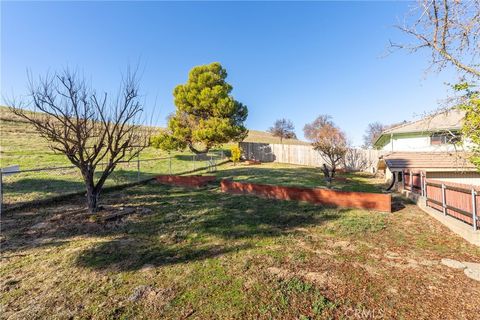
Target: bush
<point>236,153</point>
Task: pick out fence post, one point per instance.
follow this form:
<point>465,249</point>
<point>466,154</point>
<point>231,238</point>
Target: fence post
<point>444,203</point>
<point>403,180</point>
<point>421,184</point>
<point>170,164</point>
<point>474,209</point>
<point>425,186</point>
<point>411,181</point>
<point>138,169</point>
<point>212,166</point>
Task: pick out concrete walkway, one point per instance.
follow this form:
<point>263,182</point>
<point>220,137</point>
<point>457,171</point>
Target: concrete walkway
<point>471,269</point>
<point>460,228</point>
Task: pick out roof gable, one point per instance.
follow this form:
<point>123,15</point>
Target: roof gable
<point>450,120</point>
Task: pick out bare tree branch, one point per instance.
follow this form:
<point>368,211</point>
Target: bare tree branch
<point>451,29</point>
<point>329,141</point>
<point>78,123</point>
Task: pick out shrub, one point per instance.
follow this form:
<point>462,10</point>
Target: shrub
<point>235,152</point>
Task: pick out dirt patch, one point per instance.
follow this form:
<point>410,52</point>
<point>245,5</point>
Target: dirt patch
<point>156,298</point>
<point>320,252</point>
<point>373,271</point>
<point>344,245</point>
<point>396,260</point>
<point>321,279</point>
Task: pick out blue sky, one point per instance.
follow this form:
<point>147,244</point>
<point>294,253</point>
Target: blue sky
<point>292,60</point>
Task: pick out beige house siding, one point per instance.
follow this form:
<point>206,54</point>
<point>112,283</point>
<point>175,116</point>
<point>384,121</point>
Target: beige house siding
<point>471,178</point>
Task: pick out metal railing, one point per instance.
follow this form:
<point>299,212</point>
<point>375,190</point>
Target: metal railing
<point>20,187</point>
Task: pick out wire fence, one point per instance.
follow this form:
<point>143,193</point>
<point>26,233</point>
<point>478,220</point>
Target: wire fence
<point>29,186</point>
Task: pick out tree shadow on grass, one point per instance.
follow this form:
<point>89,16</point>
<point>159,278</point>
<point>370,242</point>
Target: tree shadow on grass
<point>40,186</point>
<point>192,225</point>
<point>252,217</point>
<point>127,255</point>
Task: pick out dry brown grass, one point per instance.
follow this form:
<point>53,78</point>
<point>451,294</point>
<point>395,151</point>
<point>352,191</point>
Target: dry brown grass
<point>201,254</point>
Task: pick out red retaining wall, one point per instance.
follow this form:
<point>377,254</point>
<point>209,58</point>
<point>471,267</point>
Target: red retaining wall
<point>362,200</point>
<point>185,181</point>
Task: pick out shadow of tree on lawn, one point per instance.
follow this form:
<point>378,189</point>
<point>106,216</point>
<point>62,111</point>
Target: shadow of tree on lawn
<point>192,225</point>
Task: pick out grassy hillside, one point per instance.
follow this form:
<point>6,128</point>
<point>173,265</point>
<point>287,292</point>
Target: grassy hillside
<point>21,145</point>
<point>265,137</point>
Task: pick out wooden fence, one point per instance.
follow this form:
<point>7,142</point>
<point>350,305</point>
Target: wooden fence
<point>454,199</point>
<point>355,160</point>
<point>413,182</point>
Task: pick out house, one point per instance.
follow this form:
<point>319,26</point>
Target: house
<point>435,133</point>
<point>432,145</point>
<point>428,160</point>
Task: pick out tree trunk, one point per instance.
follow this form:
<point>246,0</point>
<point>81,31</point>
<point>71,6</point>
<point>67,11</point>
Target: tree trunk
<point>333,171</point>
<point>196,151</point>
<point>92,192</point>
<point>92,200</point>
<point>328,175</point>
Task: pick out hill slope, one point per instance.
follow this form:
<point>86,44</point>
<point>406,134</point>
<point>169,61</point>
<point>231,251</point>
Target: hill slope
<point>21,145</point>
<point>265,137</point>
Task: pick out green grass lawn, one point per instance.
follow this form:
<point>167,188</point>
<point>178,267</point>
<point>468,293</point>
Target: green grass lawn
<point>32,186</point>
<point>21,145</point>
<point>202,254</point>
<point>294,175</point>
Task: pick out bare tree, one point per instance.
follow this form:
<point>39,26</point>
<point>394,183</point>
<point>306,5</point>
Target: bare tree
<point>329,141</point>
<point>355,160</point>
<point>373,131</point>
<point>283,129</point>
<point>87,127</point>
<point>450,29</point>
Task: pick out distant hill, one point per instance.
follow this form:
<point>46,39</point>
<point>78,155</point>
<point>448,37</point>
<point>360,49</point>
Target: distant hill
<point>265,137</point>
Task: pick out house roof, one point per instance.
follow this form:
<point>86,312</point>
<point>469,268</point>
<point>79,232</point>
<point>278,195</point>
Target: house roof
<point>448,120</point>
<point>428,161</point>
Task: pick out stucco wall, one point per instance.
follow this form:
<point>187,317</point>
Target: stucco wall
<point>419,142</point>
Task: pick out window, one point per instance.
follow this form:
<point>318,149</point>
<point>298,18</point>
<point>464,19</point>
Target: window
<point>444,138</point>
